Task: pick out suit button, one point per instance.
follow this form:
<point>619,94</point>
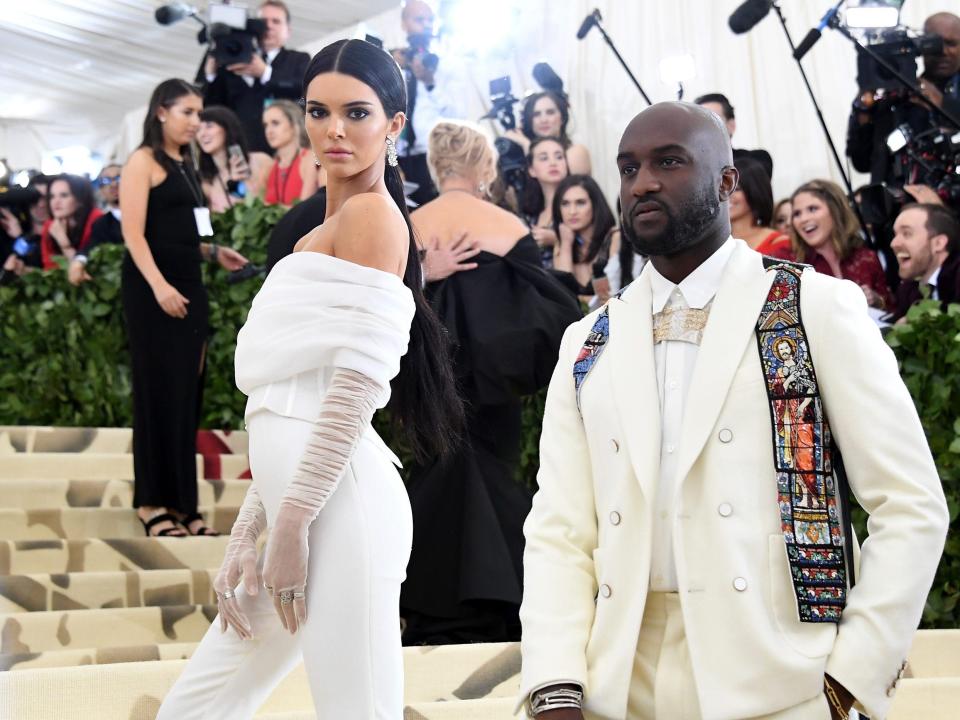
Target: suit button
<point>615,445</point>
<point>605,591</point>
<point>725,509</point>
<point>726,435</point>
<point>614,518</point>
<point>739,584</point>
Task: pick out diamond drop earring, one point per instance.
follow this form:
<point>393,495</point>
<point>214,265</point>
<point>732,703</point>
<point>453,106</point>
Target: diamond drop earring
<point>391,152</point>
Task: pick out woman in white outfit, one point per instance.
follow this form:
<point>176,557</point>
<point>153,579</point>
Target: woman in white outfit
<point>331,327</point>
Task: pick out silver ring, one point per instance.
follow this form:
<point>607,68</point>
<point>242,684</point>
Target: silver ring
<point>268,588</point>
<point>227,594</point>
<point>299,595</point>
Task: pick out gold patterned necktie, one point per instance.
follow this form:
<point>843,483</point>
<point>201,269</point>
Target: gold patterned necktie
<point>676,322</point>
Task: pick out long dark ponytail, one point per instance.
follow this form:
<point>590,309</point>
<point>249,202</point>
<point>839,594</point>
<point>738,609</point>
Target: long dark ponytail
<point>424,401</point>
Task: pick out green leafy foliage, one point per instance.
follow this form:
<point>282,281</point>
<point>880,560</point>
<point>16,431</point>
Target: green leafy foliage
<point>927,346</point>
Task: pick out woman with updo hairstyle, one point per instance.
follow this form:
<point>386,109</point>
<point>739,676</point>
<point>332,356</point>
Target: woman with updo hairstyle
<point>547,114</point>
<point>825,234</point>
<point>294,173</point>
<point>505,319</point>
<point>339,328</point>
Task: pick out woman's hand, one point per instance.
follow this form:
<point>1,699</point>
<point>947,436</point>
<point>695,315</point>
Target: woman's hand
<point>10,224</point>
<point>77,273</point>
<point>873,298</point>
<point>544,237</point>
<point>170,300</point>
<point>285,565</point>
<point>230,260</point>
<point>14,264</point>
<point>58,231</point>
<point>239,170</point>
<point>519,138</point>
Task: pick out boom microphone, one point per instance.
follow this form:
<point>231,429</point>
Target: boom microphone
<point>745,17</point>
<point>174,12</point>
<point>588,23</point>
<point>547,78</point>
<point>811,38</point>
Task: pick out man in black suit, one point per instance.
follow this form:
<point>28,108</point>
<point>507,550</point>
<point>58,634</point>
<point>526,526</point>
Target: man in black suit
<point>927,244</point>
<point>247,88</point>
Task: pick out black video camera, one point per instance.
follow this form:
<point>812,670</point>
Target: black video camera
<point>232,36</point>
<point>901,50</point>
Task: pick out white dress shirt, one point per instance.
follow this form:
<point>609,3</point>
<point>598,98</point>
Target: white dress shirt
<point>675,361</point>
<point>932,283</point>
<point>267,73</point>
<point>432,105</point>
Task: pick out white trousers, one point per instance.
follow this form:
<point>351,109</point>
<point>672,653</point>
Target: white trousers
<point>350,644</point>
<point>663,687</point>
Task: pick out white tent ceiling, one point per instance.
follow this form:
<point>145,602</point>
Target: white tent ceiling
<point>73,68</point>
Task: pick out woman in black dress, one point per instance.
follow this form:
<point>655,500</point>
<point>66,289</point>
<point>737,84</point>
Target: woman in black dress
<point>505,319</point>
<point>165,304</point>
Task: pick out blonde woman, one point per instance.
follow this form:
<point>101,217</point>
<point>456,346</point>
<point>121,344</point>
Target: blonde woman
<point>293,174</point>
<point>505,318</point>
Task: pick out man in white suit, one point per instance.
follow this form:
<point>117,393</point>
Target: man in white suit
<point>675,569</point>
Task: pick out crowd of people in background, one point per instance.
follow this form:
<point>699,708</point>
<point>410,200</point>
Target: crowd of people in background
<point>543,247</point>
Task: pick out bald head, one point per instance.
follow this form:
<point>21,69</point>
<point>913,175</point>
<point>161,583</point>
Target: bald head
<point>947,64</point>
<point>676,175</point>
<point>417,18</point>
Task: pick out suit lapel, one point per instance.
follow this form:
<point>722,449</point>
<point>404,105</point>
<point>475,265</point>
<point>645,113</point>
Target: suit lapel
<point>635,380</point>
<point>729,330</point>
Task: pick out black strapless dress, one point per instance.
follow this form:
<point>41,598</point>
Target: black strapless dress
<point>166,352</point>
<point>465,577</point>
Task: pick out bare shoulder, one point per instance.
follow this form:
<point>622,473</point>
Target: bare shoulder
<point>578,159</point>
<point>372,231</point>
<point>514,226</point>
<point>141,160</point>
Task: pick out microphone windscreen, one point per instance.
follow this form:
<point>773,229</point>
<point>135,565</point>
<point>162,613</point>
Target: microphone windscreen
<point>749,14</point>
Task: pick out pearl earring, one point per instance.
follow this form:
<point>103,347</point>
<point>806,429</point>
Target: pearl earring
<point>316,160</point>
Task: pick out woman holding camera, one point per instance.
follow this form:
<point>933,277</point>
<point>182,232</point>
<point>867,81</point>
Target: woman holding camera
<point>546,114</point>
<point>228,173</point>
<point>294,173</point>
<point>163,219</point>
<point>72,214</point>
<point>505,319</point>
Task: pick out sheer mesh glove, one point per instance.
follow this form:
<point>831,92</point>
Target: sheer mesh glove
<point>345,414</point>
<point>240,560</point>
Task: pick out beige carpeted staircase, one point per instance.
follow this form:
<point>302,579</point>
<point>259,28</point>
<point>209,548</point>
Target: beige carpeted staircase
<point>96,620</point>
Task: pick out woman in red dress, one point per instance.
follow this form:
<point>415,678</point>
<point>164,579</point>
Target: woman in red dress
<point>751,210</point>
<point>825,234</point>
<point>72,214</point>
<point>293,174</point>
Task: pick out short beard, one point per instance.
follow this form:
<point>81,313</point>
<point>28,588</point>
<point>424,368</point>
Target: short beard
<point>695,215</point>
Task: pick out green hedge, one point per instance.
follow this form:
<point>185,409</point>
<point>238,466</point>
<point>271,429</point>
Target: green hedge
<point>64,362</point>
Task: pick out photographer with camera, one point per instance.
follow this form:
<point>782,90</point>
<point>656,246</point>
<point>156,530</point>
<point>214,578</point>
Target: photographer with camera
<point>881,113</point>
<point>22,222</point>
<point>272,73</point>
<point>430,97</point>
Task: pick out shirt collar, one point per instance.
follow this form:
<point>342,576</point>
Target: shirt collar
<point>932,280</point>
<point>699,287</point>
<point>272,55</point>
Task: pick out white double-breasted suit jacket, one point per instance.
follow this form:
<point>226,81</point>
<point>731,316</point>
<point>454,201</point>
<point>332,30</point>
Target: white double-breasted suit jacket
<point>588,536</point>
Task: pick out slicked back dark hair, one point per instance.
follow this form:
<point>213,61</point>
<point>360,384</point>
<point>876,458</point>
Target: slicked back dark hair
<point>721,100</point>
<point>165,95</point>
<point>424,402</point>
